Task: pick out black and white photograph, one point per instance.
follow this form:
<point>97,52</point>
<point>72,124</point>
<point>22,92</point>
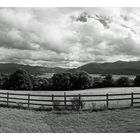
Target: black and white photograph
<point>69,69</point>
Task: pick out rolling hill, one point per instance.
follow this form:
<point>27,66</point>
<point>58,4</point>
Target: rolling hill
<point>119,68</point>
<point>11,67</point>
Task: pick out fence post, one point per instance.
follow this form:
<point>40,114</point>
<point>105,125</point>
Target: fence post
<point>53,101</point>
<point>7,98</point>
<point>132,96</point>
<point>65,99</point>
<point>28,100</point>
<point>79,101</point>
<point>107,100</point>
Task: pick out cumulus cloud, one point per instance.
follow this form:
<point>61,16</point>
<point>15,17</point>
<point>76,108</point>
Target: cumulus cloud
<point>69,37</point>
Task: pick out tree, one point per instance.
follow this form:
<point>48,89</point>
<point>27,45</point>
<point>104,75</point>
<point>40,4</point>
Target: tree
<point>81,80</point>
<point>19,80</point>
<point>62,81</point>
<point>68,81</point>
<point>41,83</point>
<point>3,79</point>
<point>137,80</point>
<point>123,82</point>
<point>108,81</point>
<point>97,82</point>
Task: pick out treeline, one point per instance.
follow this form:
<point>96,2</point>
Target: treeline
<point>22,80</point>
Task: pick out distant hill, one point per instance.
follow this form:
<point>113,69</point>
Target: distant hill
<point>119,67</point>
<point>11,67</point>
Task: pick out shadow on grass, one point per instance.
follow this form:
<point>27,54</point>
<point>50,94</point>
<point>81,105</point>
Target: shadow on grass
<point>64,111</point>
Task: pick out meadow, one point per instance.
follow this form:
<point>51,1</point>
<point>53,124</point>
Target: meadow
<point>94,91</point>
<point>98,91</point>
<point>14,120</point>
<point>25,121</point>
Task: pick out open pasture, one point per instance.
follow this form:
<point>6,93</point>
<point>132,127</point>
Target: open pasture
<point>25,121</point>
<point>102,91</point>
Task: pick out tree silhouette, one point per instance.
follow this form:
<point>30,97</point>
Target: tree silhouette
<point>19,80</point>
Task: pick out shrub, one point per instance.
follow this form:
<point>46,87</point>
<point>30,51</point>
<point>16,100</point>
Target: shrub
<point>93,106</point>
<point>123,82</point>
<point>131,82</point>
<point>77,104</point>
<point>20,105</point>
<point>108,81</point>
<point>102,107</point>
<point>3,79</point>
<point>98,108</point>
<point>97,82</point>
<point>44,108</point>
<point>137,80</point>
<point>56,105</point>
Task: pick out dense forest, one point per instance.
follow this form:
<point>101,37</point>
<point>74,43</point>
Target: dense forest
<point>22,80</point>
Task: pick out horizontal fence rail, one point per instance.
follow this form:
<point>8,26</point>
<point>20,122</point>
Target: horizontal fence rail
<point>65,100</point>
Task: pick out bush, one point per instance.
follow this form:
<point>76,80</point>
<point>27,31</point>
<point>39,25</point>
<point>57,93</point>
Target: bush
<point>77,104</point>
<point>56,105</point>
<point>44,108</point>
<point>108,81</point>
<point>20,105</point>
<point>137,80</point>
<point>97,82</point>
<point>93,107</point>
<point>3,79</point>
<point>102,107</point>
<point>123,82</point>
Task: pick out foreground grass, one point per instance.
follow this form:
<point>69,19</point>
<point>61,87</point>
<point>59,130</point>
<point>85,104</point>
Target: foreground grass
<point>16,120</point>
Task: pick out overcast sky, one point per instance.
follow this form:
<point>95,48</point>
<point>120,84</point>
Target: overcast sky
<point>69,37</point>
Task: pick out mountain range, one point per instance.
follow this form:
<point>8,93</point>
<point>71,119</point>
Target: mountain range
<point>11,67</point>
<point>118,67</point>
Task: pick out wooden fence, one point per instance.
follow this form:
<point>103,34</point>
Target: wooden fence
<point>48,100</point>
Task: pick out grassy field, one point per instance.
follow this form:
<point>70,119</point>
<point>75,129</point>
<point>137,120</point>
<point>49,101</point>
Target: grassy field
<point>20,121</point>
<point>88,91</point>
